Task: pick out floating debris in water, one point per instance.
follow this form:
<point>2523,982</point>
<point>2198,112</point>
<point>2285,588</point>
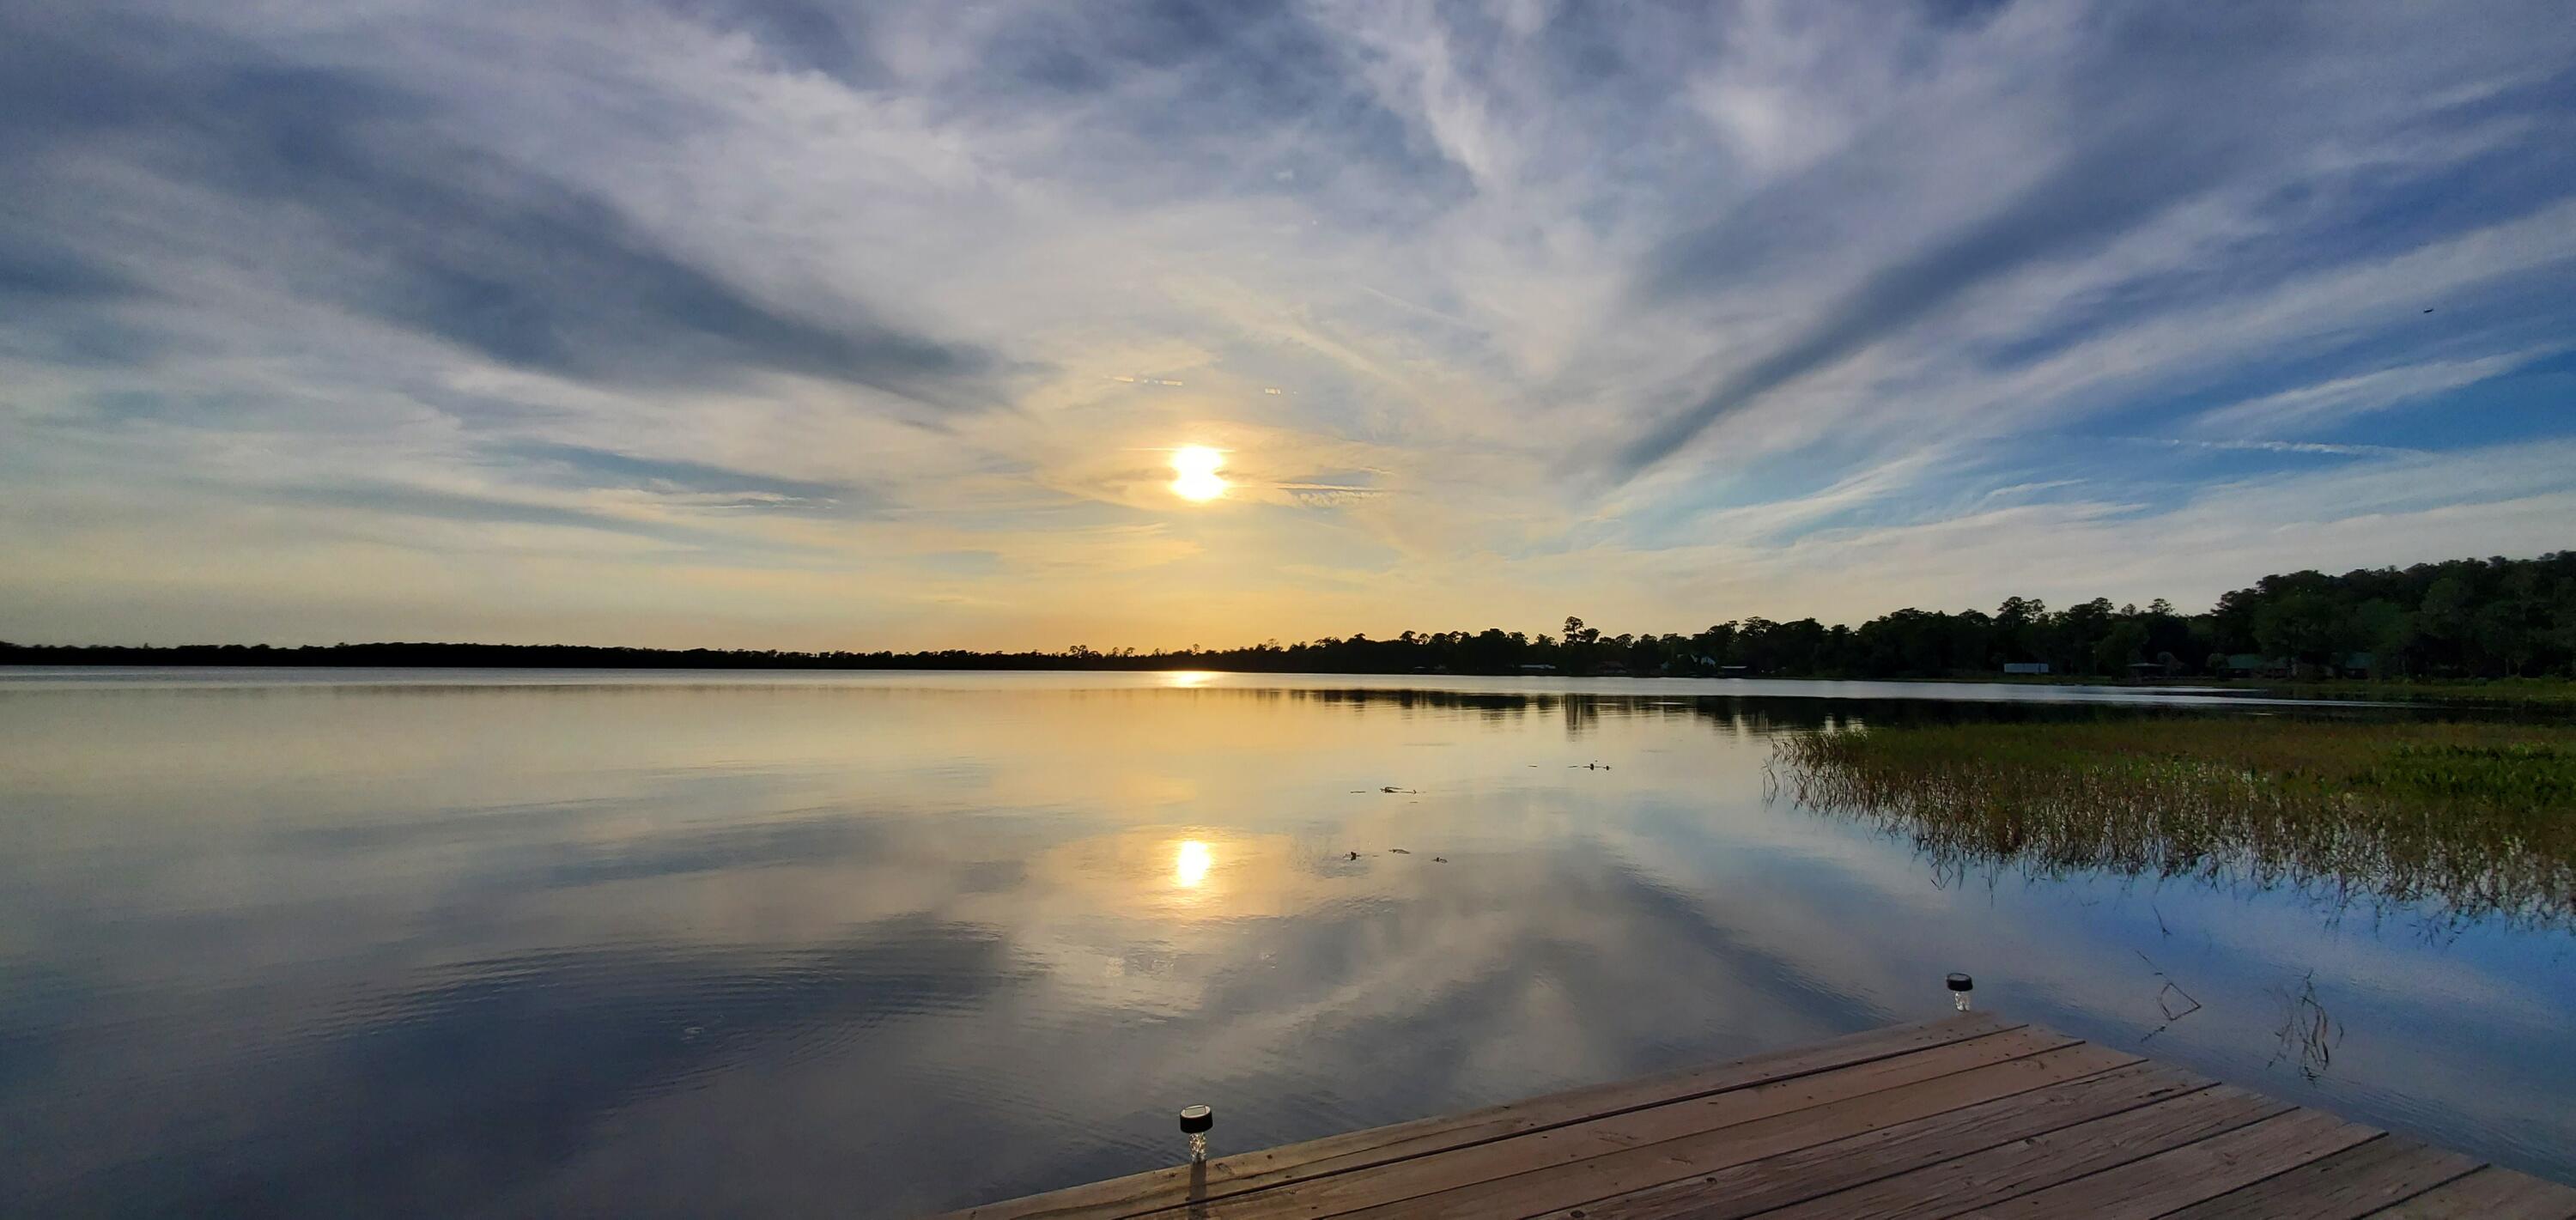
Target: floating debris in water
<point>1399,851</point>
<point>1439,859</point>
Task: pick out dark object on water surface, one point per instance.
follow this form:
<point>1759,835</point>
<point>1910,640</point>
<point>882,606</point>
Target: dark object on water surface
<point>1399,851</point>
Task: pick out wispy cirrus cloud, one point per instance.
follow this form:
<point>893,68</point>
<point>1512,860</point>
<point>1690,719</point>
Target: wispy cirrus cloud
<point>2345,397</point>
<point>752,316</point>
<point>2259,446</point>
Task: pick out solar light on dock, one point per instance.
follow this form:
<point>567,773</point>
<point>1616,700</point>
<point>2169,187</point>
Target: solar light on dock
<point>1960,985</point>
<point>1195,1123</point>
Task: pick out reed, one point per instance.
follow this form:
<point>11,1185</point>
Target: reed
<point>2458,821</point>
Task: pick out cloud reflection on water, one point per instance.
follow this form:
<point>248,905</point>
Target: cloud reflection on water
<point>675,949</point>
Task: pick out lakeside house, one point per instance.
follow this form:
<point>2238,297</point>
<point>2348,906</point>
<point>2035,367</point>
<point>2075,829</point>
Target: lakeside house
<point>2344,665</point>
<point>2025,667</point>
<point>2243,664</point>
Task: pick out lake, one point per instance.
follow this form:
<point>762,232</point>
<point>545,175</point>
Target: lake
<point>326,943</point>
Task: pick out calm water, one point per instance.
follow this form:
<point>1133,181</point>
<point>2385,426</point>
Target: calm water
<point>517,943</point>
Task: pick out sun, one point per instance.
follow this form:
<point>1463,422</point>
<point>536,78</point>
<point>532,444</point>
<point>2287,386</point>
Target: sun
<point>1196,468</point>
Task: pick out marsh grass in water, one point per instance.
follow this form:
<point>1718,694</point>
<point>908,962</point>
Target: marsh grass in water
<point>2462,821</point>
<point>2527,692</point>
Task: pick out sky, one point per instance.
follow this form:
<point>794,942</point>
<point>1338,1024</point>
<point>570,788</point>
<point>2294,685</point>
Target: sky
<point>807,324</point>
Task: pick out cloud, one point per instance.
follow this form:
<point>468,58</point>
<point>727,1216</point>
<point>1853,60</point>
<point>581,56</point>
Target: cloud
<point>2095,195</point>
<point>439,504</point>
<point>711,316</point>
<point>2163,97</point>
<point>2345,397</point>
<point>2379,508</point>
<point>384,214</point>
<point>2319,447</point>
<point>600,468</point>
<point>798,34</point>
<point>37,271</point>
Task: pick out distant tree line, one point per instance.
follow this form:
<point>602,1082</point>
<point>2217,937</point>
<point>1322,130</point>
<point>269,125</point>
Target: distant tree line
<point>2465,618</point>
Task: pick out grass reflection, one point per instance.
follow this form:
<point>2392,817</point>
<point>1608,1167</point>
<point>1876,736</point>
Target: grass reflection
<point>2468,821</point>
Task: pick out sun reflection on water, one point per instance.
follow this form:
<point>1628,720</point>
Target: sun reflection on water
<point>1190,867</point>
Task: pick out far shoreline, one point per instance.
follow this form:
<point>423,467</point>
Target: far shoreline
<point>2495,692</point>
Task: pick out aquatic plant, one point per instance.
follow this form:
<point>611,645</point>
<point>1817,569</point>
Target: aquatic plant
<point>2458,821</point>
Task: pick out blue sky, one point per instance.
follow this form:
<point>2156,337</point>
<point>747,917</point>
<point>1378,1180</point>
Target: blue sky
<point>786,323</point>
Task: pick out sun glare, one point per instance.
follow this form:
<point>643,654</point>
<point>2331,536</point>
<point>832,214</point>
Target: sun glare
<point>1196,468</point>
<point>1192,864</point>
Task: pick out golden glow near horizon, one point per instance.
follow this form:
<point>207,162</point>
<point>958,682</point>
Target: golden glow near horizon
<point>1190,867</point>
<point>1196,467</point>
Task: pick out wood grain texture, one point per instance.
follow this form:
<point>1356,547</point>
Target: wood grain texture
<point>1967,1116</point>
<point>2021,1166</point>
<point>2488,1192</point>
<point>1655,1131</point>
<point>2168,1181</point>
<point>1162,1188</point>
<point>1638,1169</point>
<point>1822,1168</point>
<point>2348,1185</point>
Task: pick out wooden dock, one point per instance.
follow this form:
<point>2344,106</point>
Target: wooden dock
<point>1968,1116</point>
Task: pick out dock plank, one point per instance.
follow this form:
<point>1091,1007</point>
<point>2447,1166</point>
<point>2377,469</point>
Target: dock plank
<point>1818,1169</point>
<point>2488,1192</point>
<point>2025,1165</point>
<point>1655,1127</point>
<point>1967,1116</point>
<point>1152,1190</point>
<point>1598,1178</point>
<point>2181,1177</point>
<point>2348,1185</point>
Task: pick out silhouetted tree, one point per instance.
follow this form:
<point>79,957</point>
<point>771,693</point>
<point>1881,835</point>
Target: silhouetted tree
<point>2459,618</point>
